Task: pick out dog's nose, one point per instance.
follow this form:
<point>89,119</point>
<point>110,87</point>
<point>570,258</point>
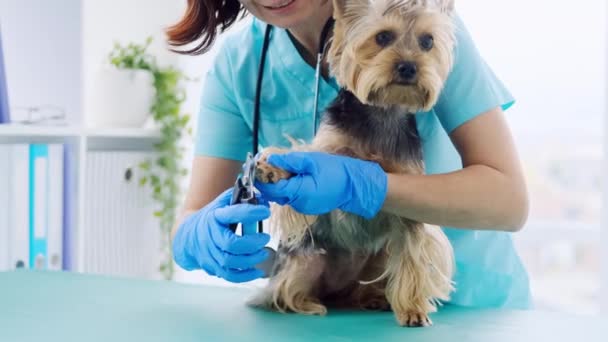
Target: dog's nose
<point>407,71</point>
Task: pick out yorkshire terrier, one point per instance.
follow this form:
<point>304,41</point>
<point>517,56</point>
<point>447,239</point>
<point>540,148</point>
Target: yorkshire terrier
<point>391,59</point>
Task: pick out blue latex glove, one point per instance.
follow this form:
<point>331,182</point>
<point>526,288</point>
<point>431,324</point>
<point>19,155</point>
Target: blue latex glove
<point>323,182</point>
<point>204,240</point>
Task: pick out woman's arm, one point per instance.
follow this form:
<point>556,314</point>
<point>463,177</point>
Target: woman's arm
<point>488,193</point>
<point>210,177</point>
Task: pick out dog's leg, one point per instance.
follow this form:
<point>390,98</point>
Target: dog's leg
<point>420,268</point>
<point>295,287</point>
<point>371,294</point>
<point>290,225</point>
<point>371,297</point>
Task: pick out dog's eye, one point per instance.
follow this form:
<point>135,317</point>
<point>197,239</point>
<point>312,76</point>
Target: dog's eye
<point>385,38</point>
<point>426,42</point>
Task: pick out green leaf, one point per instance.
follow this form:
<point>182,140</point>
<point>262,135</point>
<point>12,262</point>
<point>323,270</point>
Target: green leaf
<point>145,165</point>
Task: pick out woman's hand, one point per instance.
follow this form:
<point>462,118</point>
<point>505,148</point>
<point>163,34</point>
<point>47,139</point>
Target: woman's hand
<point>204,240</point>
<point>324,182</point>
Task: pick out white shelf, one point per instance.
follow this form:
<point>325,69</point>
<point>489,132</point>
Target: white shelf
<point>22,134</point>
<point>122,132</point>
<point>121,139</point>
<point>46,131</point>
<point>83,140</point>
<point>139,139</point>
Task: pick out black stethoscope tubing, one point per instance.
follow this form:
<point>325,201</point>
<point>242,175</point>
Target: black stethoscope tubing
<point>258,91</point>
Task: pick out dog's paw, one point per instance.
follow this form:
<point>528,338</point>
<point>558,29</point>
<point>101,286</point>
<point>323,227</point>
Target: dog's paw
<point>265,301</point>
<point>413,319</point>
<point>267,173</point>
<point>260,302</point>
<point>311,308</point>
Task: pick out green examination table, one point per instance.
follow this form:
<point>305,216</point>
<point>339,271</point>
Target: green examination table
<point>40,306</point>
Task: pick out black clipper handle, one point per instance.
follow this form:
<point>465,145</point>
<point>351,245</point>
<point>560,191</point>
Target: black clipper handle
<point>238,196</point>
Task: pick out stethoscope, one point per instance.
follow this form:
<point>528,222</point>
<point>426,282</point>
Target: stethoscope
<point>320,55</point>
<point>268,264</point>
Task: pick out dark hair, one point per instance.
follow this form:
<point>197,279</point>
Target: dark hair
<point>201,21</point>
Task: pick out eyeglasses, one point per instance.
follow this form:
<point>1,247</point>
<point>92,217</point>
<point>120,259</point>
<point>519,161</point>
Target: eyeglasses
<point>39,115</point>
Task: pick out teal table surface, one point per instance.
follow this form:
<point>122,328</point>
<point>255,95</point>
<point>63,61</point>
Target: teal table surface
<point>41,306</point>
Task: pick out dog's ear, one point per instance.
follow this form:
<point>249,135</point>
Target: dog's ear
<point>344,9</point>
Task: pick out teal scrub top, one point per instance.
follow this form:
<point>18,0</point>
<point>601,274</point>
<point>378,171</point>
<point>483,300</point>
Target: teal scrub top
<point>489,272</point>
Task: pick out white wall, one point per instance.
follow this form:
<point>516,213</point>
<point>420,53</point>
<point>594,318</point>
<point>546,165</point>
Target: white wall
<point>54,48</point>
<point>604,233</point>
<point>42,46</point>
<point>518,54</point>
<point>132,21</point>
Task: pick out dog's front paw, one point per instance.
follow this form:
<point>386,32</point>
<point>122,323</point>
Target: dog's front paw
<point>413,319</point>
<point>267,173</point>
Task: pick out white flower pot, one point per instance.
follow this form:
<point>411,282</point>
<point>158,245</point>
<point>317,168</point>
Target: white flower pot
<point>120,98</point>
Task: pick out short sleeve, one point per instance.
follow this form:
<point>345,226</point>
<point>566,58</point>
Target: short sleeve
<point>472,88</point>
<point>221,131</point>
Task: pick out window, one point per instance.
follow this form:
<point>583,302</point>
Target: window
<point>552,56</point>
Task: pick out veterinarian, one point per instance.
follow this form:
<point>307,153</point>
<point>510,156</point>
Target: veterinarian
<point>474,188</point>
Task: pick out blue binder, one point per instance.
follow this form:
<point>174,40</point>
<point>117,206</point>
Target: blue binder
<point>39,194</point>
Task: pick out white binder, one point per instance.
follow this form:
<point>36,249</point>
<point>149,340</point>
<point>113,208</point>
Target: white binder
<point>18,213</point>
<point>4,207</point>
<point>55,206</point>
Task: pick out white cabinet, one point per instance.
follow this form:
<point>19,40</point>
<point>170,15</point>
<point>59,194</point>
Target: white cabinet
<point>122,237</point>
<point>113,228</point>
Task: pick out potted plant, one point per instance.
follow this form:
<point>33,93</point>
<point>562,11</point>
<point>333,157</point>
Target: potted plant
<point>121,98</point>
<point>163,174</point>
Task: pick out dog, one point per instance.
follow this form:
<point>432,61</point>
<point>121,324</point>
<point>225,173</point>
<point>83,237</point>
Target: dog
<point>391,58</point>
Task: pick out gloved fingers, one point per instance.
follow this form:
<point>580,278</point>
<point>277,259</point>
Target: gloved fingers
<point>222,199</point>
<point>182,253</point>
<point>238,261</point>
<point>241,213</point>
<point>226,240</point>
<point>234,275</point>
<point>242,276</point>
<point>262,200</point>
<point>283,191</point>
<point>210,263</point>
<point>209,270</point>
<point>294,162</point>
<point>247,244</point>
